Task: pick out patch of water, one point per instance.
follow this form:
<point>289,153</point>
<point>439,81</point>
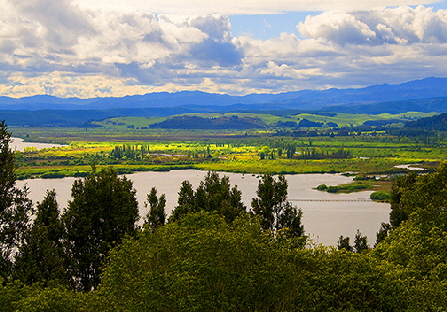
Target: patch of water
<point>324,220</point>
<point>17,144</point>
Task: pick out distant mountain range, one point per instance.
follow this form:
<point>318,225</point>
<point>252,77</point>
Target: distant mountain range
<point>426,95</point>
<point>303,100</point>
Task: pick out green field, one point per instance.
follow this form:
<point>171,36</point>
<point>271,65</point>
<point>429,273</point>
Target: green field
<point>341,119</point>
<point>129,144</point>
<point>255,151</point>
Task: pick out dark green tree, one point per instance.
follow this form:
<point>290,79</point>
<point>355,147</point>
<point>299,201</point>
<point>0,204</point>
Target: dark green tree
<point>384,231</point>
<point>41,258</point>
<point>360,242</point>
<point>156,215</point>
<point>214,194</point>
<point>290,221</point>
<point>343,243</point>
<point>15,207</point>
<point>418,245</point>
<point>102,211</point>
<point>401,185</point>
<point>186,202</point>
<point>272,206</point>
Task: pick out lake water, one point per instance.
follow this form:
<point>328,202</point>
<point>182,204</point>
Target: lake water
<point>17,144</point>
<point>324,221</point>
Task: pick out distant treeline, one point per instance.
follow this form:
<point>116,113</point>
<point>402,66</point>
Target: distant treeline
<point>224,122</point>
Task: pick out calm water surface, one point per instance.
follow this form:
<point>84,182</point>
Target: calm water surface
<point>324,221</point>
<point>17,144</point>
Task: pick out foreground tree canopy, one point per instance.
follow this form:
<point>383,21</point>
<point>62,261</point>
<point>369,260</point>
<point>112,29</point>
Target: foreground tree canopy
<point>213,194</point>
<point>103,210</point>
<point>212,255</point>
<point>15,207</point>
<point>206,264</point>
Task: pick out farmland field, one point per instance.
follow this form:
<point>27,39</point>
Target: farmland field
<point>252,151</point>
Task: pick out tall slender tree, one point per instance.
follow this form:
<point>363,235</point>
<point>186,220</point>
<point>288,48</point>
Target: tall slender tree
<point>272,206</point>
<point>360,242</point>
<point>15,207</point>
<point>343,243</point>
<point>186,202</point>
<point>103,210</point>
<point>156,215</point>
<point>41,258</point>
<point>401,186</point>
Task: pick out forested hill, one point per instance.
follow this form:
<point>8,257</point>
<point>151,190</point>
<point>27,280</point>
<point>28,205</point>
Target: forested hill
<point>437,122</point>
<point>224,122</point>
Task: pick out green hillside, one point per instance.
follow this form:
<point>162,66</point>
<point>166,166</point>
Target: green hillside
<point>125,122</point>
<point>341,119</point>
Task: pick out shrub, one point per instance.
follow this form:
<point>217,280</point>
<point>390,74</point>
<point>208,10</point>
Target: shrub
<point>380,196</point>
<point>322,187</point>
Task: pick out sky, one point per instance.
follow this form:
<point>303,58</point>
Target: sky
<point>115,48</point>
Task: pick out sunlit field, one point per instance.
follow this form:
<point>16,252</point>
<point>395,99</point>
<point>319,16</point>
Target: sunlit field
<point>130,150</point>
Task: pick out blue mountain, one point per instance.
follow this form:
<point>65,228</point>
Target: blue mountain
<point>303,100</point>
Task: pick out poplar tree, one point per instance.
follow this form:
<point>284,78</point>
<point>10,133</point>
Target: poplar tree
<point>360,242</point>
<point>157,215</point>
<point>102,211</point>
<point>186,202</point>
<point>41,258</point>
<point>272,206</point>
<point>15,207</point>
<point>401,186</point>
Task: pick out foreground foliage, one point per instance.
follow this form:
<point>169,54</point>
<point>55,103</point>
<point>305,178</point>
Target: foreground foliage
<point>15,207</point>
<point>204,264</point>
<point>104,209</point>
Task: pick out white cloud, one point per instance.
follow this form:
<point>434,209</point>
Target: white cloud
<point>341,28</point>
<point>399,25</point>
<point>351,49</point>
<point>68,50</point>
<point>228,7</point>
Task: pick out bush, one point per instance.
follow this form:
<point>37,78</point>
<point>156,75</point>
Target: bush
<point>322,187</point>
<point>80,174</point>
<point>53,175</point>
<point>333,189</point>
<point>380,196</point>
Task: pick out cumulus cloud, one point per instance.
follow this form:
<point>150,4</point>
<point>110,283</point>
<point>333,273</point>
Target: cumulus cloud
<point>65,49</point>
<point>39,37</point>
<point>351,50</point>
<point>396,26</point>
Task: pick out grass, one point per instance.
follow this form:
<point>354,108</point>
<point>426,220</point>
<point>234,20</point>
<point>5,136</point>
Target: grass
<point>221,151</point>
<point>341,119</point>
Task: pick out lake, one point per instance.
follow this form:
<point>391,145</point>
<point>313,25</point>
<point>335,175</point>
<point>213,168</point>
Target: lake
<point>17,144</point>
<point>325,216</point>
